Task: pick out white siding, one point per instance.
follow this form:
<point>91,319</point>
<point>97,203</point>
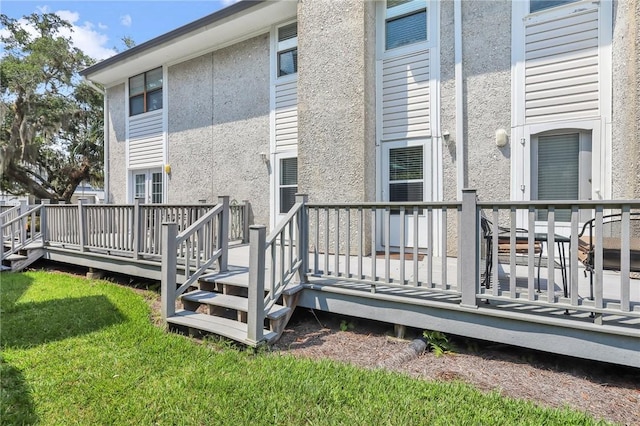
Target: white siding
<point>561,68</point>
<point>405,96</point>
<point>146,140</point>
<point>286,114</point>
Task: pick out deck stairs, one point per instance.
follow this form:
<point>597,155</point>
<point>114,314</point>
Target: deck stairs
<point>22,257</point>
<point>218,304</point>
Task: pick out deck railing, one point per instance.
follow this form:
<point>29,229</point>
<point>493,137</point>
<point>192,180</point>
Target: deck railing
<point>382,243</point>
<point>20,231</point>
<point>7,214</point>
<point>196,249</point>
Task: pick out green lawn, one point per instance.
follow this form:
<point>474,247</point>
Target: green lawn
<point>76,351</point>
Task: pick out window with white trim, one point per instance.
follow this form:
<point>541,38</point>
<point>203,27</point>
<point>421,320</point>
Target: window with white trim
<point>405,23</point>
<point>145,92</point>
<point>537,5</point>
<point>287,56</point>
<point>562,168</point>
<point>288,183</point>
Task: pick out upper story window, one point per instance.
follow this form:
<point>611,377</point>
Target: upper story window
<point>405,23</point>
<point>537,5</point>
<point>288,49</point>
<point>145,92</point>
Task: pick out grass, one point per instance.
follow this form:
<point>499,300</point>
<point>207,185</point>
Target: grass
<point>76,351</point>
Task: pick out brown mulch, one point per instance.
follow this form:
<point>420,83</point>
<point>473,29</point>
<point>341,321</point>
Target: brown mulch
<point>604,391</point>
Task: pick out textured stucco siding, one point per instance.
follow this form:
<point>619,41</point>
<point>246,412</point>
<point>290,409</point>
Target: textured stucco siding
<point>626,100</point>
<point>450,157</point>
<point>336,108</point>
<point>219,125</point>
<point>486,52</point>
<point>116,134</point>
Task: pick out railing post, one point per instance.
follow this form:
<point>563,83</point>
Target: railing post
<point>302,232</point>
<point>43,221</point>
<point>81,224</point>
<point>255,315</point>
<point>24,207</point>
<point>168,271</point>
<point>223,234</point>
<point>245,221</point>
<point>469,254</point>
<point>136,229</point>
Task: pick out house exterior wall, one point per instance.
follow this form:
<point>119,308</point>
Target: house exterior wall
<point>218,126</point>
<point>626,100</point>
<point>336,108</point>
<point>486,53</point>
<point>116,139</point>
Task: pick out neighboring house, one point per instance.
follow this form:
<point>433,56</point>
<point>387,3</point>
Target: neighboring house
<point>403,100</point>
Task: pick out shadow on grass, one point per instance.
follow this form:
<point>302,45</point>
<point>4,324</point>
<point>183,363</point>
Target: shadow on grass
<point>31,324</point>
<point>16,403</point>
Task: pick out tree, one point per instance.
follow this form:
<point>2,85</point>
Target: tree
<point>51,135</point>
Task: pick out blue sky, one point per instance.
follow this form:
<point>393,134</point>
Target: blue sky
<point>100,25</point>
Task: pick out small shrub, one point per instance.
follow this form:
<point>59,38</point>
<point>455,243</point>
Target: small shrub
<point>437,342</point>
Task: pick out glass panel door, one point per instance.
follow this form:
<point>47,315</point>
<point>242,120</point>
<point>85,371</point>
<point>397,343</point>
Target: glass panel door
<point>148,186</point>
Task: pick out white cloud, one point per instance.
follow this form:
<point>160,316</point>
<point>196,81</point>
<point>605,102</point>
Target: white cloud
<point>103,26</point>
<point>83,36</point>
<point>125,20</point>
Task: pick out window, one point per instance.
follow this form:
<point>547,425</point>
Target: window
<point>145,92</point>
<point>537,5</point>
<point>288,185</point>
<point>288,49</point>
<point>563,169</point>
<point>406,174</point>
<point>405,23</point>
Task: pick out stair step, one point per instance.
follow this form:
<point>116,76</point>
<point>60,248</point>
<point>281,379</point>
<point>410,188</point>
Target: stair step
<point>231,302</point>
<point>241,279</point>
<point>4,268</point>
<point>15,256</point>
<point>224,327</point>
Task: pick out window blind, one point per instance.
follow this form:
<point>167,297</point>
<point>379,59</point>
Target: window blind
<point>558,170</point>
<point>406,29</point>
<point>406,163</point>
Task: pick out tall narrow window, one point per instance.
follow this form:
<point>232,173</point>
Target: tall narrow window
<point>405,23</point>
<point>288,185</point>
<point>156,187</point>
<point>288,49</point>
<point>145,92</point>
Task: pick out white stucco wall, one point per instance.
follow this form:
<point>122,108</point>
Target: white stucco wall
<point>218,126</point>
<point>116,138</point>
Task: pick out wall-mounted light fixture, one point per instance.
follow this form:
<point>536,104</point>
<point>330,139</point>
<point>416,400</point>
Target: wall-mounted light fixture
<point>446,136</point>
<point>502,138</point>
<point>167,169</point>
<point>264,158</point>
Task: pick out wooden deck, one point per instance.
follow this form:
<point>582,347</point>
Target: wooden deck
<point>248,292</point>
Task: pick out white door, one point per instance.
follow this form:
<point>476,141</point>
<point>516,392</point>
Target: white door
<point>148,186</point>
<point>406,177</point>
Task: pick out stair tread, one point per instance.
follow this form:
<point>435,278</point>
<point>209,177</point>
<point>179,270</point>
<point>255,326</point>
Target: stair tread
<point>230,302</point>
<point>15,256</point>
<point>225,327</point>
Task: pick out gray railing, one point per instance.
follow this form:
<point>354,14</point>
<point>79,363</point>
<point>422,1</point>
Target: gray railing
<point>563,262</point>
<point>21,230</point>
<point>195,249</point>
<point>376,243</point>
<point>283,256</point>
<point>7,214</point>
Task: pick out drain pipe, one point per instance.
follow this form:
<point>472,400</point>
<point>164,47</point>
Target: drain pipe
<point>460,151</point>
<point>105,136</point>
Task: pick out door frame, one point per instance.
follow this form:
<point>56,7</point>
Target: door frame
<point>148,173</point>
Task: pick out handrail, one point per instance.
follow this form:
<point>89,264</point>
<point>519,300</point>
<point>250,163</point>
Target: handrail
<point>197,248</point>
<point>17,235</point>
<point>283,223</point>
<point>9,211</point>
